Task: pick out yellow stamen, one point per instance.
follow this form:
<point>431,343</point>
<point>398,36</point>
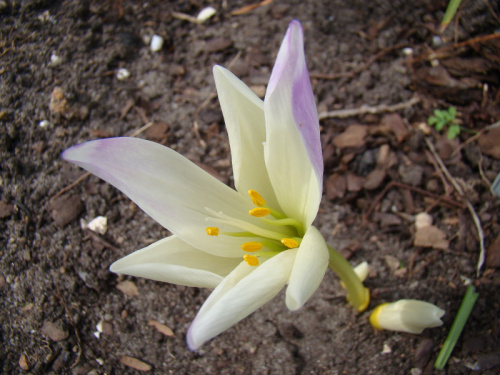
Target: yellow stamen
<point>251,260</point>
<point>251,246</point>
<point>256,198</point>
<point>212,231</point>
<point>259,212</point>
<point>290,243</point>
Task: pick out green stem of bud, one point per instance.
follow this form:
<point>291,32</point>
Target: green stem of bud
<point>357,294</point>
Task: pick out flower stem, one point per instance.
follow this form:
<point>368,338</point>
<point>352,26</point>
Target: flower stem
<point>357,295</point>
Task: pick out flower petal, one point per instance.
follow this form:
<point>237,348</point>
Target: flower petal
<point>292,128</point>
<point>308,270</point>
<point>173,261</point>
<point>241,293</point>
<point>167,186</point>
<point>244,117</point>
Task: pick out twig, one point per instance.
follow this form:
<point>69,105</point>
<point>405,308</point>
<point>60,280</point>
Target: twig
<point>447,187</point>
<point>360,69</point>
<point>434,54</point>
<point>392,184</point>
<point>474,137</point>
<point>471,209</point>
<point>248,8</point>
<point>72,185</point>
<point>73,324</point>
<point>351,112</point>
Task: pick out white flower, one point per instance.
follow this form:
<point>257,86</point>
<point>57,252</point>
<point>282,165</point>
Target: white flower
<point>267,220</point>
<point>406,315</point>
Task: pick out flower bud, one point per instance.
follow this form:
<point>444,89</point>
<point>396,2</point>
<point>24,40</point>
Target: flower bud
<point>406,315</point>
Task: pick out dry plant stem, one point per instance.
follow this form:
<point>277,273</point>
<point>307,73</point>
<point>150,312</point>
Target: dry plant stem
<point>471,209</point>
<point>447,187</point>
<point>475,137</point>
<point>249,8</point>
<point>363,67</point>
<point>392,184</point>
<point>344,113</point>
<point>434,54</point>
<point>72,322</point>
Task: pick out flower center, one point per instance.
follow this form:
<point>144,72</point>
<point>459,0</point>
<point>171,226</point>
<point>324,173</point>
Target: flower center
<point>266,243</point>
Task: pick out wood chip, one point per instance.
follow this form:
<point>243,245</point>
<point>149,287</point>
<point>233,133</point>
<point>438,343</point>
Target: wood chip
<point>23,363</point>
<point>431,236</point>
<point>374,179</point>
<point>65,208</point>
<point>354,182</point>
<point>6,209</point>
<point>335,186</point>
<point>55,333</point>
<point>353,136</point>
<point>135,363</point>
<point>128,288</point>
<point>58,103</point>
<point>489,142</point>
<point>493,254</point>
<point>162,328</point>
<point>394,122</point>
<point>158,132</point>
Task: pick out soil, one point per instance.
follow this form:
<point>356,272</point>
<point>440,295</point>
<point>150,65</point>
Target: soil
<point>65,313</point>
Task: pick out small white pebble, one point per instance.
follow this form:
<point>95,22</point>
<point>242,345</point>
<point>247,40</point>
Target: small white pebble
<point>100,361</point>
<point>99,326</point>
<point>437,41</point>
<point>55,60</point>
<point>122,74</point>
<point>99,225</point>
<point>205,14</point>
<point>424,128</point>
<point>407,51</point>
<point>43,123</point>
<point>386,349</point>
<point>156,43</point>
<point>422,220</point>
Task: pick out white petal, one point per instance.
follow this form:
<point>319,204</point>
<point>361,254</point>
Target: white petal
<point>167,186</point>
<point>244,117</point>
<point>173,261</point>
<point>308,270</point>
<point>293,148</point>
<point>244,292</point>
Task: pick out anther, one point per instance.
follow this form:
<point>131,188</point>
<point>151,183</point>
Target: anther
<point>251,260</point>
<point>290,243</point>
<point>251,246</point>
<point>256,198</point>
<point>212,231</point>
<point>259,212</point>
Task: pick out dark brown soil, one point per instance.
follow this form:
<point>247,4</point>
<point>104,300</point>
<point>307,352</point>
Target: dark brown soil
<point>55,286</point>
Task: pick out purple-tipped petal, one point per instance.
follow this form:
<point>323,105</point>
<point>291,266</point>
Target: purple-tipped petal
<point>167,186</point>
<point>290,69</point>
<point>293,147</point>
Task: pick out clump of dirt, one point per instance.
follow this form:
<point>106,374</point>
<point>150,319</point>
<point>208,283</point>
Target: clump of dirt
<point>73,71</point>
